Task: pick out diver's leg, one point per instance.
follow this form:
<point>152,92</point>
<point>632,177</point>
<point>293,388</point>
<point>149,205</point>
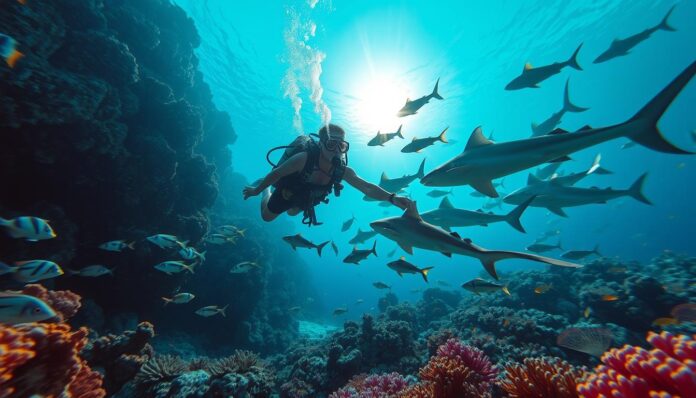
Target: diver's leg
<point>266,213</point>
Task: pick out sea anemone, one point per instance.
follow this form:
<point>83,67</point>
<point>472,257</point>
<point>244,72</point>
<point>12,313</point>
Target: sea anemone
<point>541,377</point>
<point>241,361</point>
<point>160,368</point>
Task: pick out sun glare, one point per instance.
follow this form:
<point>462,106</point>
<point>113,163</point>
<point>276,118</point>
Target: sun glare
<point>378,101</point>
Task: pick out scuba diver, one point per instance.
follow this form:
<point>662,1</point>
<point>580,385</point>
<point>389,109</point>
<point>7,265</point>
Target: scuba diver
<point>307,173</point>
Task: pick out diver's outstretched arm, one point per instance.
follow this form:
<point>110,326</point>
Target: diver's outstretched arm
<point>292,165</point>
<point>373,191</point>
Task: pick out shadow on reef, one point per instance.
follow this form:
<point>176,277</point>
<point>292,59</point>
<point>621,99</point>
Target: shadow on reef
<point>110,132</point>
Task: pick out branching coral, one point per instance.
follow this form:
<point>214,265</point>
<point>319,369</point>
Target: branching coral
<point>668,370</point>
<point>241,361</point>
<point>43,359</point>
<point>540,378</point>
<point>64,302</point>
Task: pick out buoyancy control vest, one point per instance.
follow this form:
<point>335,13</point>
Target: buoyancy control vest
<point>297,187</point>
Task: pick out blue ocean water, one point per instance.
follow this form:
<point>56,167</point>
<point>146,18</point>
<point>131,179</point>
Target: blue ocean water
<point>372,55</point>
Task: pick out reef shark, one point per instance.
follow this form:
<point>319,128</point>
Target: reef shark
<point>361,236</point>
<point>531,76</point>
<point>483,161</point>
<point>381,139</point>
<point>298,241</point>
<point>554,120</point>
<point>418,144</point>
<point>357,255</point>
<point>447,216</point>
<point>573,178</point>
<point>398,184</point>
<point>555,197</point>
<point>410,230</point>
<point>412,107</point>
<point>621,47</point>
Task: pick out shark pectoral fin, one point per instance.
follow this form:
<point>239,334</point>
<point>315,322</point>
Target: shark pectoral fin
<point>560,159</point>
<point>447,254</point>
<point>406,248</point>
<point>383,177</point>
<point>485,187</point>
<point>400,274</point>
<point>412,212</point>
<point>558,210</point>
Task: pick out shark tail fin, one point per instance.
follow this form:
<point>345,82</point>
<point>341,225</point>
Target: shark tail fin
<point>435,94</point>
<point>490,257</point>
<point>573,60</point>
<point>424,273</point>
<point>513,217</point>
<point>374,248</point>
<point>636,190</point>
<point>442,136</point>
<point>596,250</point>
<point>321,246</point>
<point>664,24</point>
<point>421,170</point>
<point>568,106</point>
<point>646,132</point>
<point>398,132</point>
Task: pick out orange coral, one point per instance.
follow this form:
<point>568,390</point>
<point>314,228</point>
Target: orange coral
<point>541,377</point>
<point>64,302</point>
<point>668,370</point>
<point>15,350</point>
<point>54,367</point>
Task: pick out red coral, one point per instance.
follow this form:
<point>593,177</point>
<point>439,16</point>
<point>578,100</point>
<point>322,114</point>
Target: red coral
<point>64,302</point>
<point>54,369</point>
<point>668,370</point>
<point>541,377</point>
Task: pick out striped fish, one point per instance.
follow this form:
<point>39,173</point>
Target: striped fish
<point>36,270</point>
<point>21,308</point>
<point>29,228</point>
<point>165,241</point>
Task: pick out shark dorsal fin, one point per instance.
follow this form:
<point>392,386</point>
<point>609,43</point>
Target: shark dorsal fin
<point>408,100</point>
<point>413,139</point>
<point>480,211</point>
<point>456,235</point>
<point>412,212</point>
<point>477,139</point>
<point>383,177</point>
<point>446,204</point>
<point>584,128</point>
<point>355,248</point>
<point>532,179</point>
<point>527,66</point>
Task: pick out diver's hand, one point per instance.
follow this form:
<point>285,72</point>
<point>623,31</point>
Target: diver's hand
<point>249,191</point>
<point>402,202</point>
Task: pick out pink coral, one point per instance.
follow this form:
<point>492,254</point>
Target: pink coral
<point>373,386</point>
<point>668,370</point>
<point>471,357</point>
<point>541,377</point>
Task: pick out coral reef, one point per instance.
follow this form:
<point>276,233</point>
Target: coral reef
<point>373,386</point>
<point>121,356</point>
<point>669,369</point>
<point>43,359</point>
<point>541,377</point>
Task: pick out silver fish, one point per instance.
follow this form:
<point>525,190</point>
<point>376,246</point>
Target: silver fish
<point>21,308</point>
<point>211,310</point>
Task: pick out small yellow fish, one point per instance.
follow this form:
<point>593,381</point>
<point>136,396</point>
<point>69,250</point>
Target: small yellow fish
<point>8,50</point>
<point>543,288</point>
<point>609,297</point>
<point>586,313</point>
<point>665,321</point>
